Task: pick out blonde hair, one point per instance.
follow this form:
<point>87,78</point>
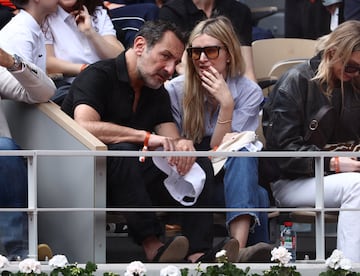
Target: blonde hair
<point>338,46</point>
<point>194,95</point>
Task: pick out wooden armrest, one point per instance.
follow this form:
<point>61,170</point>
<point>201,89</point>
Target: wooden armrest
<point>53,111</point>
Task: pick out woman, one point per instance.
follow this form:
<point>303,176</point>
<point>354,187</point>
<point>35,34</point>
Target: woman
<point>212,102</point>
<point>23,35</point>
<point>78,34</point>
<point>322,94</point>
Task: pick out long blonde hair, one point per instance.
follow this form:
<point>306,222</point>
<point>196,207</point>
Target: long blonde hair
<point>338,46</point>
<point>194,95</point>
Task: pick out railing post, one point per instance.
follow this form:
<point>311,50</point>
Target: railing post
<point>32,205</point>
<point>319,205</point>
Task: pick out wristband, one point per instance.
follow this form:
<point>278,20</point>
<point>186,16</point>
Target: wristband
<point>336,164</point>
<point>83,67</point>
<point>146,145</point>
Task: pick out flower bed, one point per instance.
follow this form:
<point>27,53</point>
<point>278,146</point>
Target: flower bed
<point>336,265</point>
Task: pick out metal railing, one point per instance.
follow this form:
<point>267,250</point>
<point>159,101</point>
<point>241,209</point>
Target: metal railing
<point>33,209</point>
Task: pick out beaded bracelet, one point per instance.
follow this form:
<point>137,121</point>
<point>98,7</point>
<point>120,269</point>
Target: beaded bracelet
<point>145,147</point>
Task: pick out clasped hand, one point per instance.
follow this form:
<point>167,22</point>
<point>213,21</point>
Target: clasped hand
<point>183,163</point>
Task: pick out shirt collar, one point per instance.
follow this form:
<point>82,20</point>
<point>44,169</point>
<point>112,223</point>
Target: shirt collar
<point>121,68</point>
<point>64,15</point>
<point>31,22</point>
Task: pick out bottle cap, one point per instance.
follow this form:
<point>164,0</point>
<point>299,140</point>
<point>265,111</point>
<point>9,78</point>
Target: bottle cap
<point>288,223</point>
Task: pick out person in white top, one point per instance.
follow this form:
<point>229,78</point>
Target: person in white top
<point>25,82</point>
<point>23,35</point>
<point>78,34</point>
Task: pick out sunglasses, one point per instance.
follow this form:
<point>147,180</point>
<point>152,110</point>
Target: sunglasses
<point>211,52</point>
<point>351,69</point>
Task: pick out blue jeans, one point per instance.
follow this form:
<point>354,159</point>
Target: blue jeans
<point>13,193</point>
<point>241,190</point>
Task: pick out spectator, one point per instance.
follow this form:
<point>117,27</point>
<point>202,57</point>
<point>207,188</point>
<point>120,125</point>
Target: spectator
<point>7,11</point>
<point>129,16</point>
<point>23,35</point>
<point>328,84</point>
<point>308,19</point>
<point>90,36</point>
<point>19,81</point>
<point>135,110</point>
<point>211,103</point>
<point>187,13</point>
<point>351,9</point>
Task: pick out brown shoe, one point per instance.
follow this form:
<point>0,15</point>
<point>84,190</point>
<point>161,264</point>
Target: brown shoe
<point>257,253</point>
<point>44,252</point>
<point>173,251</point>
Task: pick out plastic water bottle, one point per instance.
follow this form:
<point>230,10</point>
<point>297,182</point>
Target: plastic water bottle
<point>288,239</point>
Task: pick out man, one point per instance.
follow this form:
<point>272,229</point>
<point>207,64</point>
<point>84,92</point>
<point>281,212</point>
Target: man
<point>24,82</point>
<point>123,103</point>
<point>187,13</point>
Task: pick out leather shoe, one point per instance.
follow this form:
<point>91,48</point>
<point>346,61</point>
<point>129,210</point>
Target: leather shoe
<point>173,251</point>
<point>257,253</point>
<point>231,246</point>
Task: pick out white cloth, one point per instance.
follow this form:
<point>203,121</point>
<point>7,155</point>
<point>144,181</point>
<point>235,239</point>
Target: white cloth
<point>244,139</point>
<point>30,85</point>
<point>23,36</point>
<point>185,189</point>
<point>69,43</point>
<point>340,190</point>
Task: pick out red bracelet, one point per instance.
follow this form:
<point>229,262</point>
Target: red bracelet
<point>336,164</point>
<point>83,67</point>
<point>146,145</point>
<point>147,138</point>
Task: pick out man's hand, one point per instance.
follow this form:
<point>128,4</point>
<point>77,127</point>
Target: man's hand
<point>6,60</point>
<point>183,163</point>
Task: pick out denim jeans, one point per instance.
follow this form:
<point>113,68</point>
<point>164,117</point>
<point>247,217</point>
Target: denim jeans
<point>13,193</point>
<point>241,190</point>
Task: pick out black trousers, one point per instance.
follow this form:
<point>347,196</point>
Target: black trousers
<point>131,183</point>
<point>304,19</point>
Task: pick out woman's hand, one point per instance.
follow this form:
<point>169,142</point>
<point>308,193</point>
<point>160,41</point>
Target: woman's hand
<point>83,20</point>
<point>215,84</point>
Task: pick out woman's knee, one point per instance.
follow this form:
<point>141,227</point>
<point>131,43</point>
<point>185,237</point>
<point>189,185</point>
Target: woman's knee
<point>7,143</point>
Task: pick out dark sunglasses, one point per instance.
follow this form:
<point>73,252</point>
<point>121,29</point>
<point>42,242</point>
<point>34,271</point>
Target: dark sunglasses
<point>211,52</point>
<point>351,69</point>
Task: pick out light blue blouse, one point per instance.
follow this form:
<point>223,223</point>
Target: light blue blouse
<point>247,97</point>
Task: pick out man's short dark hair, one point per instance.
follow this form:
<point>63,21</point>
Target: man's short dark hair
<point>153,31</point>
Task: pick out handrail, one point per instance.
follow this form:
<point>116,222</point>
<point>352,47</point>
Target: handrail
<point>319,208</point>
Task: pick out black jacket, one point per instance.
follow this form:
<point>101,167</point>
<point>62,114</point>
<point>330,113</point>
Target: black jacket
<point>297,105</point>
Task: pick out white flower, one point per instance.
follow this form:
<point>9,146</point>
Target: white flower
<point>345,264</point>
<point>3,261</point>
<point>334,260</point>
<point>337,260</point>
<point>30,265</point>
<point>280,254</point>
<point>58,261</point>
<point>135,268</point>
<point>221,253</point>
<point>170,270</point>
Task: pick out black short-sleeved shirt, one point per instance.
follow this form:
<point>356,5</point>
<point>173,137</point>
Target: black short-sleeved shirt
<point>186,15</point>
<point>105,87</point>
